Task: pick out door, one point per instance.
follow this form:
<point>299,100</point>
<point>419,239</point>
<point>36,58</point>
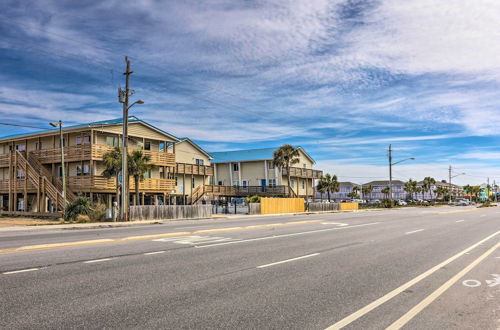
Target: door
<point>263,185</point>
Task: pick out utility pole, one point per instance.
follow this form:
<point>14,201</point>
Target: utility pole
<point>390,172</point>
<point>449,181</point>
<point>123,98</point>
<point>488,189</point>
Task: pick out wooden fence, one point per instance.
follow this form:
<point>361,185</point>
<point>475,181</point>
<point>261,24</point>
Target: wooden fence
<point>281,205</point>
<point>253,208</point>
<point>322,207</point>
<point>170,212</point>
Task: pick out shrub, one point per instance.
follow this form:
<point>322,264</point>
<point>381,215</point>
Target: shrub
<point>81,218</point>
<point>98,212</point>
<point>253,199</point>
<point>81,206</point>
<point>387,203</point>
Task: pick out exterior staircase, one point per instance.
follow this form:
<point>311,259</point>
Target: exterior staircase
<point>56,181</point>
<point>40,182</point>
<point>197,194</point>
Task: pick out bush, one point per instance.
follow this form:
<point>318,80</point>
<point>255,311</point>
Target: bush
<point>80,218</point>
<point>98,212</point>
<point>253,199</point>
<point>81,206</point>
<point>387,203</point>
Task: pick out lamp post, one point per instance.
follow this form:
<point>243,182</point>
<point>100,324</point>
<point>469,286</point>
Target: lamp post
<point>391,164</point>
<point>61,144</point>
<point>449,181</point>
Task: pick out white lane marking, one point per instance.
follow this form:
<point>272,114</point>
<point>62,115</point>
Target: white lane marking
<point>460,221</point>
<point>155,252</point>
<point>285,235</point>
<point>482,215</point>
<point>376,303</point>
<point>288,260</point>
<point>414,231</point>
<point>471,283</point>
<point>194,239</point>
<point>398,324</point>
<point>340,224</point>
<point>21,271</point>
<point>96,260</point>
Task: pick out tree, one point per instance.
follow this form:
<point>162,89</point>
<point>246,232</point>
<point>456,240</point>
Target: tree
<point>113,166</point>
<point>386,191</point>
<point>354,193</point>
<point>328,184</point>
<point>476,191</point>
<point>138,166</point>
<point>441,191</point>
<point>366,191</point>
<point>283,158</point>
<point>427,185</point>
<point>410,187</point>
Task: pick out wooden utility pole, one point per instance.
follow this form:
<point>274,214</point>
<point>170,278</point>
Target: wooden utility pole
<point>123,98</point>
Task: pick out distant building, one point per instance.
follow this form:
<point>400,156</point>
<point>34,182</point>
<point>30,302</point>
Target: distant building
<point>398,191</point>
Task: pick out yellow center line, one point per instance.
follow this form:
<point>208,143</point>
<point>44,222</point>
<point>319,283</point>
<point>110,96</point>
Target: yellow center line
<point>52,246</point>
<point>458,211</point>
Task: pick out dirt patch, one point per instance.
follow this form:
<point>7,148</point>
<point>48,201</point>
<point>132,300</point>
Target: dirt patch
<point>20,221</point>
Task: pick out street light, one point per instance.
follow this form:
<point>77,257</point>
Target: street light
<point>451,177</point>
<point>61,144</point>
<point>391,164</point>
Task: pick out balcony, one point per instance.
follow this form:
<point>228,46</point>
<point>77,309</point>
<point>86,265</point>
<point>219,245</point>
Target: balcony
<point>246,191</point>
<point>18,186</point>
<point>304,173</point>
<point>92,152</point>
<point>183,168</point>
<point>102,184</point>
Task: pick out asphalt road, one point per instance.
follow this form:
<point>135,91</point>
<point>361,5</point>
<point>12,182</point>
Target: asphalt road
<point>420,268</point>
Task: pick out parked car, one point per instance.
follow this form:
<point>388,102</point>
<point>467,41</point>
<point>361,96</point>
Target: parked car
<point>357,201</point>
<point>374,202</point>
<point>462,202</point>
<point>401,202</point>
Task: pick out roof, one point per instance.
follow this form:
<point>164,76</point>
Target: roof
<point>382,183</point>
<point>248,155</point>
<point>195,145</point>
<point>116,121</point>
<point>348,184</point>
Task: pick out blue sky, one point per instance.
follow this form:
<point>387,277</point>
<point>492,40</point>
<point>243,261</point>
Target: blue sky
<point>343,79</point>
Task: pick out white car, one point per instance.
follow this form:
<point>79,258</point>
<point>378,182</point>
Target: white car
<point>401,202</point>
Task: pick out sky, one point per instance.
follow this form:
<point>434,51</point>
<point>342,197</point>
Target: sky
<point>342,79</point>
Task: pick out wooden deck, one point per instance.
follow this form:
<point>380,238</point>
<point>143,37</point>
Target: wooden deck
<point>304,173</point>
<point>183,168</point>
<point>102,184</point>
<point>90,152</point>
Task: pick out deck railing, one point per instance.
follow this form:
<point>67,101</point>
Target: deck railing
<point>304,173</point>
<point>183,168</point>
<point>100,183</point>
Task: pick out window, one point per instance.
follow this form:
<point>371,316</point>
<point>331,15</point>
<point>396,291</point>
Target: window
<point>147,174</point>
<point>79,171</point>
<point>21,147</point>
<point>236,183</point>
<point>82,140</point>
<point>162,173</point>
<point>59,171</point>
<point>272,182</point>
<point>112,141</point>
<point>192,182</point>
<point>38,145</point>
<point>236,168</point>
<point>305,165</point>
<point>176,183</point>
<point>303,184</point>
<point>161,147</point>
<point>20,174</point>
<point>82,170</point>
<point>245,183</point>
<point>270,165</point>
<point>220,183</point>
<point>199,161</point>
<point>147,145</point>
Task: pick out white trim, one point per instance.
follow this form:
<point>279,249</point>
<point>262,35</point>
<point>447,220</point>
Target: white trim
<point>239,174</point>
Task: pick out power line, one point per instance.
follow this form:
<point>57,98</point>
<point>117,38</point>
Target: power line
<point>19,125</point>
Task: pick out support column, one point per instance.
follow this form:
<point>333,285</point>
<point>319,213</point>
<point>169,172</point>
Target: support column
<point>239,174</point>
<point>265,173</point>
<point>230,173</point>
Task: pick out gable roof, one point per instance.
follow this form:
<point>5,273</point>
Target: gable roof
<point>383,183</point>
<point>95,124</point>
<point>248,155</point>
<point>195,145</point>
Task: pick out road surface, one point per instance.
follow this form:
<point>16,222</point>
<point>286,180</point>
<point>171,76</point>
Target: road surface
<point>414,268</point>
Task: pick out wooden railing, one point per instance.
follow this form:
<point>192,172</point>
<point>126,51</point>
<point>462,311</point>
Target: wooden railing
<point>246,191</point>
<point>93,152</point>
<point>304,172</point>
<point>4,160</point>
<point>100,183</point>
<point>183,168</point>
<point>18,185</point>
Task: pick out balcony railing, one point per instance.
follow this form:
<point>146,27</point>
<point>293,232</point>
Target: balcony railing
<point>100,183</point>
<point>92,152</point>
<point>246,191</point>
<point>17,186</point>
<point>304,173</point>
<point>183,168</point>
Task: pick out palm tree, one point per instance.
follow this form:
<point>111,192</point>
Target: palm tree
<point>410,187</point>
<point>468,191</point>
<point>476,190</point>
<point>138,166</point>
<point>283,158</point>
<point>367,191</point>
<point>328,184</point>
<point>427,185</point>
<point>113,166</point>
<point>386,191</point>
<point>441,191</point>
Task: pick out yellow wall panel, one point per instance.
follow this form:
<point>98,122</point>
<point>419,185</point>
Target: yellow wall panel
<point>281,205</point>
<point>349,206</point>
